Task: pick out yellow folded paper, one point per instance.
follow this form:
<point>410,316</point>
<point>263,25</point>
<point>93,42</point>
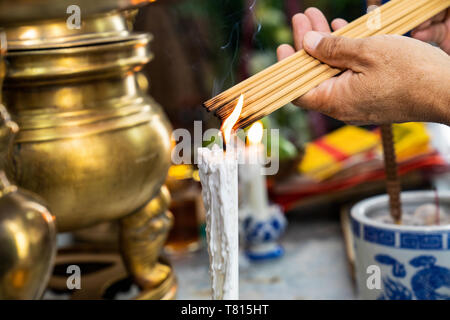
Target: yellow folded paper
<point>348,145</point>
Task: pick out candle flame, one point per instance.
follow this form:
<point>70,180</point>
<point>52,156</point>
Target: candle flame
<point>228,124</point>
<point>255,133</point>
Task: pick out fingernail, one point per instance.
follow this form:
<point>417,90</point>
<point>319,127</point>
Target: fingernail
<point>312,39</point>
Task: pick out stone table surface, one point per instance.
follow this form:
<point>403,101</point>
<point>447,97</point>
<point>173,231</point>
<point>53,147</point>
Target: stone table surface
<point>314,266</point>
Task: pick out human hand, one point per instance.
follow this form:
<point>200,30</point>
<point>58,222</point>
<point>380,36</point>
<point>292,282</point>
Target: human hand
<point>386,79</point>
<point>436,29</point>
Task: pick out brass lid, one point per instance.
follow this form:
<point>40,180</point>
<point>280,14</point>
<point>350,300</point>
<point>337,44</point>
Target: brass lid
<point>56,34</point>
<point>96,59</point>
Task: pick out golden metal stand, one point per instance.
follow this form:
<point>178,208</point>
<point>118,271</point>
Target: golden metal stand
<point>142,236</point>
<point>107,277</point>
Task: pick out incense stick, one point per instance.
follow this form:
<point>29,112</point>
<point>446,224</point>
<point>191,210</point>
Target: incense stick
<point>292,77</point>
<point>393,186</point>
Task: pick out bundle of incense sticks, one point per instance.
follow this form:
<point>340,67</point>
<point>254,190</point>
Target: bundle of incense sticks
<point>294,76</point>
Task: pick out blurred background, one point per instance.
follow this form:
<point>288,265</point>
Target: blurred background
<point>204,47</point>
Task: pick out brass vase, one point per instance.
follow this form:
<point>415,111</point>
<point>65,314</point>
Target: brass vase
<point>27,229</point>
<point>27,236</point>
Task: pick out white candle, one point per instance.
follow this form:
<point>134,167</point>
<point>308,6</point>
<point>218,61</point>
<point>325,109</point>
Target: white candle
<point>219,179</point>
<point>252,173</point>
<point>255,182</point>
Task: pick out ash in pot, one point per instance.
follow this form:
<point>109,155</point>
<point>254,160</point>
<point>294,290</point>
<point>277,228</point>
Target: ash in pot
<point>427,214</point>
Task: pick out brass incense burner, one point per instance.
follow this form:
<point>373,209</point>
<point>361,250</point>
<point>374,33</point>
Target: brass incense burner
<point>91,143</point>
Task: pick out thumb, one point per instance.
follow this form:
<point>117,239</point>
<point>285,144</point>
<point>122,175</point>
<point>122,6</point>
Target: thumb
<point>340,52</point>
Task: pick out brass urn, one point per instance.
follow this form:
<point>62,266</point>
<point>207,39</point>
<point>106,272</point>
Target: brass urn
<point>27,230</point>
<point>92,143</point>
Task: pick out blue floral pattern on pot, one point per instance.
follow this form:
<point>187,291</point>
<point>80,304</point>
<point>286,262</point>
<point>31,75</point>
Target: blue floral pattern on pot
<point>424,283</point>
<point>413,260</point>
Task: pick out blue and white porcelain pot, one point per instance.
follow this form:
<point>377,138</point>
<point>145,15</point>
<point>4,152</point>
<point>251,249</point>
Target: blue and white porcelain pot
<point>401,262</point>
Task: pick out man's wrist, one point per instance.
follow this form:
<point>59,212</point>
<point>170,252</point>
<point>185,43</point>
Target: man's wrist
<point>442,100</point>
<point>439,94</point>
